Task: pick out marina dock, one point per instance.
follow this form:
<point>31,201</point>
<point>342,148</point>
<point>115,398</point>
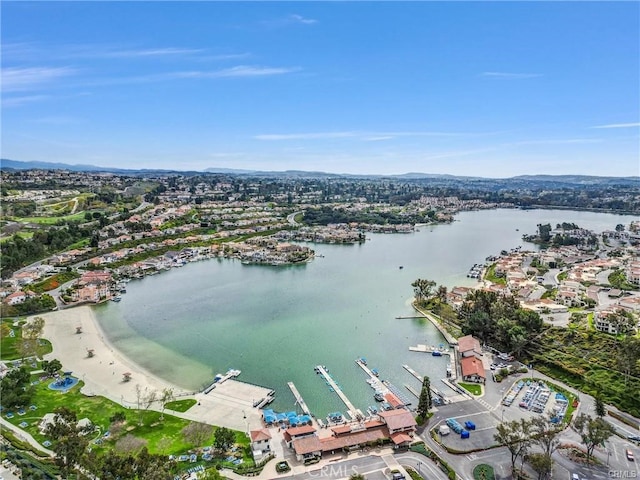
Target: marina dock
<point>352,411</point>
<point>431,349</point>
<point>421,378</point>
<point>412,390</point>
<point>374,381</point>
<point>299,400</point>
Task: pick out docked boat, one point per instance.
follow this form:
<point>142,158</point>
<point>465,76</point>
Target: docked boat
<point>375,372</point>
<point>116,298</point>
<point>436,353</point>
<point>378,396</point>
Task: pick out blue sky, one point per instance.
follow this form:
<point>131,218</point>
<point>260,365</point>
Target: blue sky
<point>492,89</point>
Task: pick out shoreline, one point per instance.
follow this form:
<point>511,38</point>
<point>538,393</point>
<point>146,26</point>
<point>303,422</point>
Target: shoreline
<point>102,373</point>
<point>229,405</point>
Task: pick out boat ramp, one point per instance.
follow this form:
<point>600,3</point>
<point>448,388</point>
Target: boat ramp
<point>352,411</point>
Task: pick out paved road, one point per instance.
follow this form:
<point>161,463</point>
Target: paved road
<point>291,218</point>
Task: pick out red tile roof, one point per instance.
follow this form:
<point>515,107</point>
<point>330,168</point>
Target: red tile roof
<point>469,343</point>
<point>472,366</point>
<point>259,435</point>
<point>401,437</point>
<point>398,419</point>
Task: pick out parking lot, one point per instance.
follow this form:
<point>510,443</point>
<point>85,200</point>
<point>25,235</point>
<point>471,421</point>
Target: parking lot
<point>487,411</point>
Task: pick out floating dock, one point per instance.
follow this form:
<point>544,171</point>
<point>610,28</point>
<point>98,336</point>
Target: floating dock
<point>396,391</point>
<point>430,349</point>
<point>421,378</point>
<point>299,400</point>
<point>352,411</point>
<point>373,380</point>
<point>270,397</point>
<point>413,392</point>
<point>219,379</point>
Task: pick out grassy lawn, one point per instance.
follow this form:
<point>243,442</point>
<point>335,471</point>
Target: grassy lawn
<point>25,235</point>
<point>51,220</point>
<point>163,434</point>
<point>472,388</point>
<point>491,276</point>
<point>483,472</point>
<point>181,405</point>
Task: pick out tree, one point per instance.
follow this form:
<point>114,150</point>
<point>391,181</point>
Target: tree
<point>197,433</point>
<point>69,442</point>
<point>514,435</point>
<point>592,431</point>
<point>51,367</point>
<point>601,410</point>
<point>16,389</point>
<point>425,401</point>
<point>166,397</point>
<point>545,434</point>
<point>541,464</point>
<point>357,476</point>
<point>210,474</point>
<point>225,438</point>
<point>422,289</point>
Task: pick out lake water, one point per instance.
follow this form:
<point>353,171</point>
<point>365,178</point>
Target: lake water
<point>276,323</point>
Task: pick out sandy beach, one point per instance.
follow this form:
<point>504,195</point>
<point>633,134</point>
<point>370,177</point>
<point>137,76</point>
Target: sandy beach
<point>229,405</point>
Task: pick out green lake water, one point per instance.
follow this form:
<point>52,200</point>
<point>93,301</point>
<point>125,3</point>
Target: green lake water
<point>276,323</point>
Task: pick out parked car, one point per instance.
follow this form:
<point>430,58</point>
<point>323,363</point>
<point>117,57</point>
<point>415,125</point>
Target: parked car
<point>629,455</point>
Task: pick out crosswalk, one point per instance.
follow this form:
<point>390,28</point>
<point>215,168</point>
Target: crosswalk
<point>488,406</point>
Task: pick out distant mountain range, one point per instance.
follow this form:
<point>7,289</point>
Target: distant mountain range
<point>6,164</point>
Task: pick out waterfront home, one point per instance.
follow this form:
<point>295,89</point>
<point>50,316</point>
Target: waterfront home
<point>15,298</point>
<point>469,346</point>
<point>472,370</point>
<point>260,443</point>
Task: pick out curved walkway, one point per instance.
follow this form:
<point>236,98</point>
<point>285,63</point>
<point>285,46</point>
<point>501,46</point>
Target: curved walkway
<point>24,436</point>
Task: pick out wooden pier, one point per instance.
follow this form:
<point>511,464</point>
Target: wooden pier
<point>352,411</point>
<point>299,400</point>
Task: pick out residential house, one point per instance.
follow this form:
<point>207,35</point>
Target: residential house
<point>472,370</point>
<point>469,346</point>
<point>260,443</point>
<point>15,298</point>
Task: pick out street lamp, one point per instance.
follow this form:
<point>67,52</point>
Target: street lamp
<point>502,416</point>
<point>418,467</point>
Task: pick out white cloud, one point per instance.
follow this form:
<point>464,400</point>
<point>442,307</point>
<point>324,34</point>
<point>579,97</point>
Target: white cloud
<point>300,19</point>
<point>8,102</point>
<point>619,125</point>
<point>365,136</point>
<point>20,79</point>
<point>237,71</point>
<point>150,52</point>
<point>305,136</point>
<point>510,75</point>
